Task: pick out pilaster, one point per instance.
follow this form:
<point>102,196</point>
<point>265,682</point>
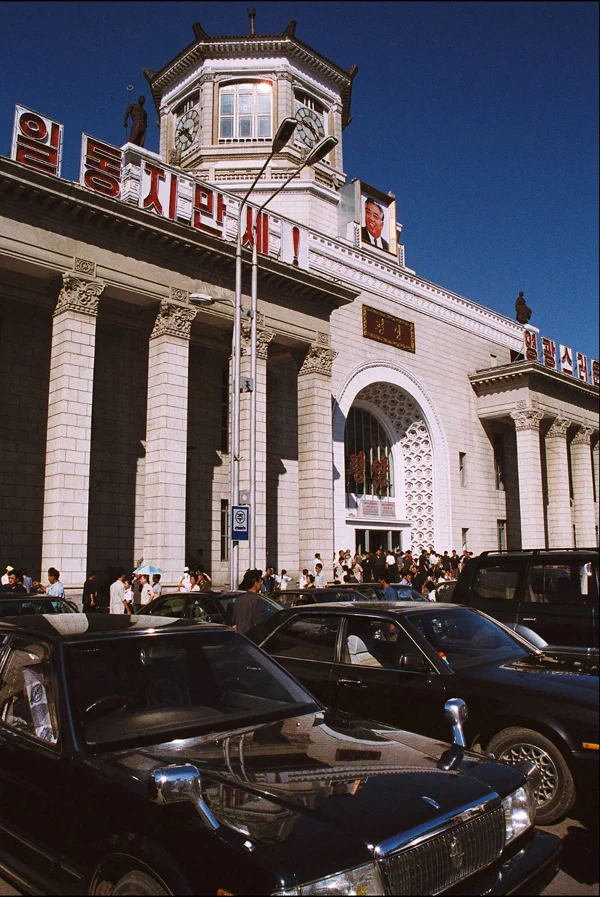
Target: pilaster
<point>560,526</point>
<point>584,512</point>
<point>166,440</point>
<point>67,472</point>
<point>315,455</point>
<point>531,501</point>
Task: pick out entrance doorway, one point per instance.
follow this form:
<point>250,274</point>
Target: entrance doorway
<point>372,539</point>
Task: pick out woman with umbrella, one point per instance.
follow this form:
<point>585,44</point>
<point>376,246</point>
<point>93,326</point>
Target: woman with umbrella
<point>145,572</point>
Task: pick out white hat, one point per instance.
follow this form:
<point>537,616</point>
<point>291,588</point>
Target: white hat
<point>9,569</point>
<point>186,569</point>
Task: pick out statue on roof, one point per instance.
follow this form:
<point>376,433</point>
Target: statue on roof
<point>522,310</point>
<point>139,121</point>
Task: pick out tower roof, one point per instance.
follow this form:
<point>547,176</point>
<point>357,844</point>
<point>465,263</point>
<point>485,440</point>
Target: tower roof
<point>205,46</point>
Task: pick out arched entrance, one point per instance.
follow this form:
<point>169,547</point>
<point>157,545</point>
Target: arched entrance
<point>383,415</point>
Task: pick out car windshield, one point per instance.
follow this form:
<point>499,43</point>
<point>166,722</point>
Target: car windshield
<point>16,607</point>
<point>269,606</point>
<point>463,637</point>
<point>153,688</point>
<point>405,593</point>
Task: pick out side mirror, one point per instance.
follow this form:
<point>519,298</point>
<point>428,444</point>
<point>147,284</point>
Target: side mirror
<point>456,713</point>
<point>414,663</point>
<point>172,784</point>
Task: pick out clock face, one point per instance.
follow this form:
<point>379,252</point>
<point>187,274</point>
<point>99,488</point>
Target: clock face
<point>187,129</point>
<point>310,127</point>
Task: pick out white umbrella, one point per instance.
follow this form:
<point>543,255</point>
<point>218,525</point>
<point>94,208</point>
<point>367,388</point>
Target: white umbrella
<point>148,570</point>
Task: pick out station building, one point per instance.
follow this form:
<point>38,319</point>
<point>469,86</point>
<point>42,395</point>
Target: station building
<point>391,412</point>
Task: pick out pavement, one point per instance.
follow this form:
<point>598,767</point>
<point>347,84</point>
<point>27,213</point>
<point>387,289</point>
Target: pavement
<point>579,864</point>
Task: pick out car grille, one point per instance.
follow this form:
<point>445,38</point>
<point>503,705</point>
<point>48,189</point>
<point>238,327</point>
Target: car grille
<point>445,859</point>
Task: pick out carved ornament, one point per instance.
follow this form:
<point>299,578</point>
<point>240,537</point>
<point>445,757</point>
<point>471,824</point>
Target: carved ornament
<point>178,294</point>
<point>173,320</point>
<point>319,360</point>
<point>79,295</point>
<point>558,429</point>
<point>263,338</point>
<point>529,419</point>
<point>84,266</point>
<point>583,436</point>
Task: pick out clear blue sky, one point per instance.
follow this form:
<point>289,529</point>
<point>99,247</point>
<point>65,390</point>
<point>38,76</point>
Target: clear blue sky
<point>481,117</point>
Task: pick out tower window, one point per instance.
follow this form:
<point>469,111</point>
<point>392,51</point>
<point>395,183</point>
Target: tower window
<point>245,111</point>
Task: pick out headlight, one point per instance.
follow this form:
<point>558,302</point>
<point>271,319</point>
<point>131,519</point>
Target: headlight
<point>519,812</point>
<point>362,880</point>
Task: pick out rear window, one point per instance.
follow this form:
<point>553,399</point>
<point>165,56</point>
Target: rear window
<point>307,638</point>
<point>496,582</point>
<point>557,583</point>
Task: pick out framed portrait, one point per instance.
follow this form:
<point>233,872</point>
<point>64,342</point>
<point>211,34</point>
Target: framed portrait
<point>378,220</point>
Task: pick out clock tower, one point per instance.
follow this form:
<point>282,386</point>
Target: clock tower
<point>221,100</point>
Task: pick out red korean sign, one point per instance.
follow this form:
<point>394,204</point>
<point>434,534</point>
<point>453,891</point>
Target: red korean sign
<point>37,141</point>
<point>549,353</point>
<point>100,167</point>
<point>531,349</point>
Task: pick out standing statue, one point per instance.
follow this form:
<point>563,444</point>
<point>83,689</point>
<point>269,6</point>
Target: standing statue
<point>139,121</point>
<point>523,312</point>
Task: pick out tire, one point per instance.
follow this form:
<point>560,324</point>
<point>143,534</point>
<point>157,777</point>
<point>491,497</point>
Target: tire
<point>139,884</point>
<point>556,794</point>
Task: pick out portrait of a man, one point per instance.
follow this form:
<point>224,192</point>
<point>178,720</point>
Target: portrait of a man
<point>375,225</point>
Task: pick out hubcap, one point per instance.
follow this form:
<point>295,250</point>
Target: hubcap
<point>544,762</point>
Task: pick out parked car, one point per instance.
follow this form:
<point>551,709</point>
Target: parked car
<point>18,604</point>
<point>553,593</point>
<point>209,607</point>
<point>372,591</point>
<point>299,597</point>
<point>146,755</point>
<point>399,663</point>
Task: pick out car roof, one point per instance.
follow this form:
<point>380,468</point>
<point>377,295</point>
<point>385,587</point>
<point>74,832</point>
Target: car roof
<point>75,627</point>
<point>356,607</point>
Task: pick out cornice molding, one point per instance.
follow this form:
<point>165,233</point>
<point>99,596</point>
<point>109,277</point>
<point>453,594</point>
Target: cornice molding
<point>526,370</point>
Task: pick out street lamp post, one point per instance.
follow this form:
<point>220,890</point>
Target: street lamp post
<point>316,154</point>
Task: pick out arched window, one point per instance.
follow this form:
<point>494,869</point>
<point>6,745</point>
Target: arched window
<point>245,111</point>
<point>368,453</point>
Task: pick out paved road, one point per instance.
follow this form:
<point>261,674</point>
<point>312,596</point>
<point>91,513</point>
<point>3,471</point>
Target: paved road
<point>579,866</point>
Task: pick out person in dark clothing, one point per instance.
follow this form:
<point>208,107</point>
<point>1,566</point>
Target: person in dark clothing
<point>454,563</point>
<point>367,567</point>
<point>268,581</point>
<point>248,608</point>
<point>13,586</point>
<point>378,565</point>
<point>90,594</point>
<point>445,562</point>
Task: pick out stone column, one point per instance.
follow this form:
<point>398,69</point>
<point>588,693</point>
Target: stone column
<point>315,456</point>
<point>166,440</point>
<point>263,338</point>
<point>560,526</point>
<point>67,479</point>
<point>584,512</point>
<point>531,498</point>
<point>596,474</point>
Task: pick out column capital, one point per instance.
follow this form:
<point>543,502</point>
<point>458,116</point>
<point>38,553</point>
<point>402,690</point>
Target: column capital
<point>319,360</point>
<point>583,436</point>
<point>528,419</point>
<point>559,428</point>
<point>78,294</point>
<point>173,320</point>
<point>263,338</point>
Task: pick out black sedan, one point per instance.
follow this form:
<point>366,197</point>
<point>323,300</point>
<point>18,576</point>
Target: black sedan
<point>399,663</point>
<point>16,605</point>
<point>203,607</point>
<point>372,591</point>
<point>153,756</point>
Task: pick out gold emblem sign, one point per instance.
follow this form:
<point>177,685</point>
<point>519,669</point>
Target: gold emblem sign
<point>384,328</point>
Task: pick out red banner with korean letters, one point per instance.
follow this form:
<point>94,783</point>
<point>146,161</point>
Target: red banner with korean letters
<point>530,345</point>
<point>582,367</point>
<point>549,353</point>
<point>37,141</point>
<point>100,167</point>
<point>384,328</point>
<point>595,365</point>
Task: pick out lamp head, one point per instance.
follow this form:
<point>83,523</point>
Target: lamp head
<point>201,299</point>
<point>284,132</point>
<point>322,149</point>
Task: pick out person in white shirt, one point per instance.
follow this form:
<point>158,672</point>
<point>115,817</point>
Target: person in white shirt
<point>4,579</point>
<point>128,594</point>
<point>54,588</point>
<point>118,604</point>
<point>303,581</point>
<point>184,583</point>
<point>283,580</point>
<point>320,577</point>
<point>147,593</point>
<point>156,586</point>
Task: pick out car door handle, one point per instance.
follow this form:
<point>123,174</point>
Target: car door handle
<point>529,619</point>
<point>348,681</point>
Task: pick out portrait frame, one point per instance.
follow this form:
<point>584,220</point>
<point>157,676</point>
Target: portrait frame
<point>385,203</point>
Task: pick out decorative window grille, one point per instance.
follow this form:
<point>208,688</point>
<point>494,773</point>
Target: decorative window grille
<point>245,112</point>
<point>369,462</point>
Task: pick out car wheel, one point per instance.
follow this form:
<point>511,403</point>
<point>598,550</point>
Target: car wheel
<point>139,884</point>
<point>556,793</point>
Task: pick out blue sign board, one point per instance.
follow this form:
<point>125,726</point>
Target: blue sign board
<point>240,518</point>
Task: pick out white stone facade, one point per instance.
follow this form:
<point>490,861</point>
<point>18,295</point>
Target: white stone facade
<point>117,389</point>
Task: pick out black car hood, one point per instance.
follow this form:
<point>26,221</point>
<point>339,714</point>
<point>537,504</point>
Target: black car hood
<point>326,784</point>
<point>543,676</point>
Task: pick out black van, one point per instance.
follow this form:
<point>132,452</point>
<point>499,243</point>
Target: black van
<point>552,592</point>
